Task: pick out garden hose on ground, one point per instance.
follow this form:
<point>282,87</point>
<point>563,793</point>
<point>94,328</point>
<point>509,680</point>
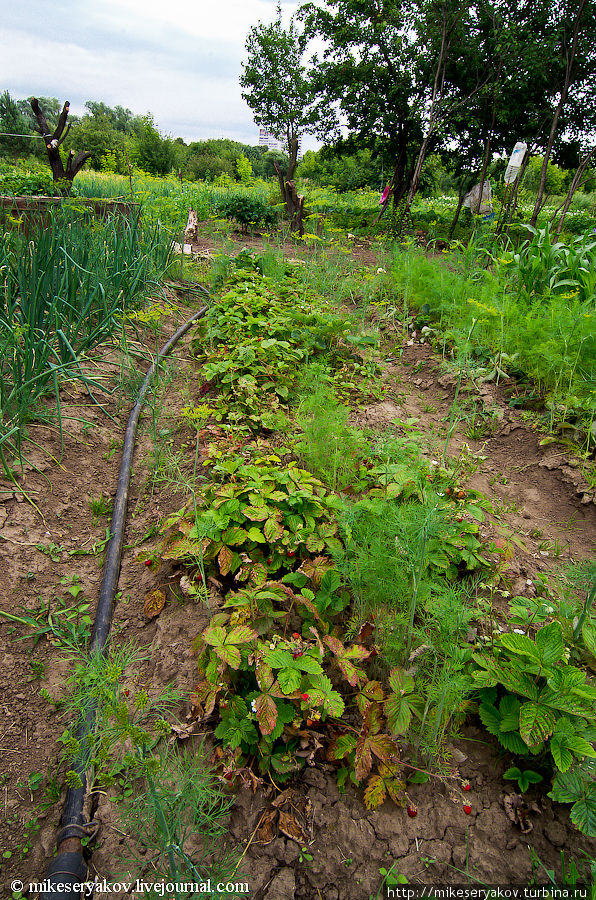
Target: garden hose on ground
<point>68,868</point>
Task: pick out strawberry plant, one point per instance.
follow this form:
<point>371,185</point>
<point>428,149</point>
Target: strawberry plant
<point>279,698</point>
<point>578,786</point>
<point>261,521</point>
<point>251,343</point>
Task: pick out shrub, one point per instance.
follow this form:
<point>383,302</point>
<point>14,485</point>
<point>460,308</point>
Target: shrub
<point>247,210</point>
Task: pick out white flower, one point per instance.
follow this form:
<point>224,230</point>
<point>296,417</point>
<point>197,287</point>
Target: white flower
<point>519,631</point>
<point>253,705</point>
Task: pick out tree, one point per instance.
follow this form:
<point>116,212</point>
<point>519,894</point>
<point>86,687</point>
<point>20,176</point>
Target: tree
<point>572,34</point>
<point>280,91</point>
<point>119,118</point>
<point>63,175</point>
<point>13,122</point>
<point>366,76</point>
<point>97,134</point>
<point>149,150</point>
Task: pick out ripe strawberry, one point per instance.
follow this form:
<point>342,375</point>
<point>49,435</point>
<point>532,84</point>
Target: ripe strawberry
<point>148,562</point>
<point>460,518</point>
<point>291,554</point>
<point>467,809</point>
<point>467,786</point>
<point>295,635</point>
<point>305,697</point>
<point>269,560</point>
<point>412,811</point>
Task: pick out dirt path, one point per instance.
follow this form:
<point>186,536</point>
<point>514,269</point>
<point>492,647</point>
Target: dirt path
<point>340,847</point>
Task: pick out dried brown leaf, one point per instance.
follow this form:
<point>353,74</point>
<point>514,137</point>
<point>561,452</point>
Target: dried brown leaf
<point>154,603</point>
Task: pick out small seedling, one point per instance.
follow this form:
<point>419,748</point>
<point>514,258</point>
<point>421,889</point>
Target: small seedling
<point>524,778</point>
<point>305,856</point>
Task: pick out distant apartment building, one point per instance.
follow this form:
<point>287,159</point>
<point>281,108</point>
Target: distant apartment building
<point>267,140</point>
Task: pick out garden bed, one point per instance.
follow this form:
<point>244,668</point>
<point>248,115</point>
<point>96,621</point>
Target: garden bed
<point>303,838</point>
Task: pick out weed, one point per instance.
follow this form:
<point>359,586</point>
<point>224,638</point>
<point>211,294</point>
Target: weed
<point>524,778</point>
<point>390,880</point>
<point>100,507</point>
<point>66,623</point>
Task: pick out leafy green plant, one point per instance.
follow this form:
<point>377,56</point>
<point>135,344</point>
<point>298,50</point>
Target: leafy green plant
<point>246,209</point>
<point>271,692</point>
<point>261,520</point>
<point>524,778</point>
<point>260,331</point>
<point>547,704</point>
<point>577,786</point>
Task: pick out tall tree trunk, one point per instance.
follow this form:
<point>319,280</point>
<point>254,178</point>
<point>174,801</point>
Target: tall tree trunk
<point>62,175</point>
<point>397,183</point>
<point>555,121</point>
<point>294,203</point>
<point>437,92</point>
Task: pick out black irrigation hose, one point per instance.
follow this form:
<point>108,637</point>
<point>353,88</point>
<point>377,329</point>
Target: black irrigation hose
<point>68,868</point>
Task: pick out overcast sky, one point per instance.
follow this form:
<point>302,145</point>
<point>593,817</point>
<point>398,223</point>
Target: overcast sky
<point>180,61</point>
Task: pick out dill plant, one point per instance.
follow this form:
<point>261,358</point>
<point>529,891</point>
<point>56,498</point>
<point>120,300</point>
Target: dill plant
<point>331,448</point>
<point>179,811</point>
<point>385,560</point>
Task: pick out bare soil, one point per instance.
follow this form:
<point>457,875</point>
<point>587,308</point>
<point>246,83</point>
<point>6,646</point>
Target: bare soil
<point>326,845</point>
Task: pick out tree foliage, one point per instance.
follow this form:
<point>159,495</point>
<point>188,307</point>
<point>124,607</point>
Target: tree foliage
<point>279,87</point>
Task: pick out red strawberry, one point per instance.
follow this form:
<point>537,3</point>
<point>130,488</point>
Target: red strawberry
<point>147,562</point>
<point>467,809</point>
<point>305,697</point>
<point>291,554</point>
<point>412,811</point>
<point>467,786</point>
<point>269,560</point>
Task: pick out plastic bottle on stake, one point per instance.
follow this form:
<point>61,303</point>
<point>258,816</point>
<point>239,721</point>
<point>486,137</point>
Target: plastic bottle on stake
<point>515,161</point>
